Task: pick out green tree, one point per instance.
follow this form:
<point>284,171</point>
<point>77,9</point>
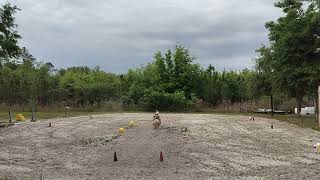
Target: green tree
<point>294,61</point>
<point>8,34</point>
<point>88,86</point>
<point>211,86</point>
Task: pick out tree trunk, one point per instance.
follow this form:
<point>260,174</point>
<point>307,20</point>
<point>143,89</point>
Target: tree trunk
<point>271,105</point>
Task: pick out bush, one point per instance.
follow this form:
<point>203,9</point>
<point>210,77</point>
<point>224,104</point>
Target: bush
<point>289,105</point>
<point>166,101</point>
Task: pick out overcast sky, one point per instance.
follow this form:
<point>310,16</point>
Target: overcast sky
<point>121,34</point>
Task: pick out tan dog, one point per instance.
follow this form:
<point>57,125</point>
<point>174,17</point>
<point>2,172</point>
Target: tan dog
<point>156,123</point>
<point>156,120</point>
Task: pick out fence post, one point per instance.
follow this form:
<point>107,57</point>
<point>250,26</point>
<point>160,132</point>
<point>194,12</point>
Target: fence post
<point>10,117</point>
<point>271,104</point>
<point>33,118</point>
<point>66,111</point>
<point>318,110</point>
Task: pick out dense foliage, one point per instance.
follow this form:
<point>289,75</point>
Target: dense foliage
<point>288,68</point>
<point>291,63</point>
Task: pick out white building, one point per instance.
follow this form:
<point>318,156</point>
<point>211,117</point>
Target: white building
<point>306,110</point>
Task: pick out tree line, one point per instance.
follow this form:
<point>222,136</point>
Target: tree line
<point>287,68</point>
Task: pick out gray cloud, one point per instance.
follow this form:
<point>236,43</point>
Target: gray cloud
<point>121,34</point>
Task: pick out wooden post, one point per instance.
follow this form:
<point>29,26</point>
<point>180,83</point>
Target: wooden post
<point>33,118</point>
<point>10,117</point>
<point>271,104</point>
<point>318,110</point>
<point>316,107</point>
<point>66,111</point>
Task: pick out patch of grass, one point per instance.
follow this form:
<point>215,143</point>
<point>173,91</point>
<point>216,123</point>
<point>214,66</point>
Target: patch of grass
<point>4,116</point>
<point>302,121</point>
<point>307,121</point>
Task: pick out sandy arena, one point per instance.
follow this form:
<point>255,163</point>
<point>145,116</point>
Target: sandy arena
<point>194,146</point>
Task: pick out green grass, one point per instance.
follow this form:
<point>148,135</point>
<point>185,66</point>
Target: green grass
<point>4,116</point>
<point>307,121</point>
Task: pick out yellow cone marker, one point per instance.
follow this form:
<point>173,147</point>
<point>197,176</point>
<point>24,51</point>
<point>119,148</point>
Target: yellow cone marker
<point>121,130</point>
<point>131,123</point>
<point>20,117</point>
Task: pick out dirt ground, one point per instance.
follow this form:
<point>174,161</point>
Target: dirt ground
<point>194,146</point>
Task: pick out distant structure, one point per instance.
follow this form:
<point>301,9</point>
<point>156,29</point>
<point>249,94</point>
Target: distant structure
<point>306,110</point>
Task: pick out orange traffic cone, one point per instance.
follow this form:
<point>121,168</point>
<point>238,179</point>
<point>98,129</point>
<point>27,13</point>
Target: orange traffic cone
<point>115,157</point>
<point>161,156</point>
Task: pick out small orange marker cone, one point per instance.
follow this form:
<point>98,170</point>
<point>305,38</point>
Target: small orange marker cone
<point>50,124</point>
<point>161,156</point>
<point>115,157</point>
